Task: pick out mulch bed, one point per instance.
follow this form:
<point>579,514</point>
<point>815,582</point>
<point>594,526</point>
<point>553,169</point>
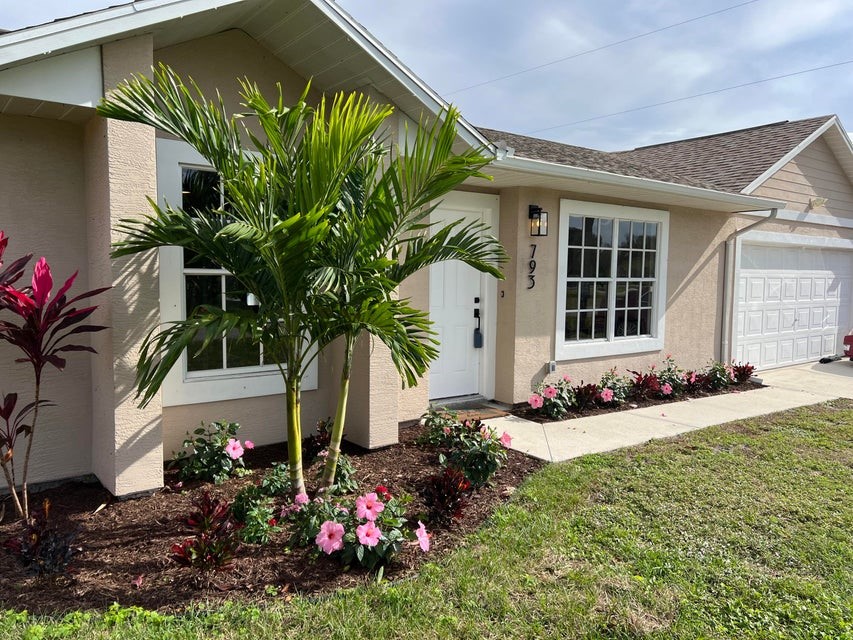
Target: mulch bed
<point>128,539</point>
<point>524,410</point>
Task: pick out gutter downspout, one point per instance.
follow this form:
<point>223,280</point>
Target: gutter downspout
<point>729,284</point>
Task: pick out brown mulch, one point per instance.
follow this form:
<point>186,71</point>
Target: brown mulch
<point>125,544</point>
<point>524,410</point>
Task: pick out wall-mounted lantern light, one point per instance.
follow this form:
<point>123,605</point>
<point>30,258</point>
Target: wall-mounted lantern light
<point>538,221</point>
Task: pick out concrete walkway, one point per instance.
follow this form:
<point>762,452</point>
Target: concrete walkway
<point>787,388</point>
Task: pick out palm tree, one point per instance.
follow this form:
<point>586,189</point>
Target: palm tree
<point>379,236</point>
<point>277,200</point>
<point>317,222</point>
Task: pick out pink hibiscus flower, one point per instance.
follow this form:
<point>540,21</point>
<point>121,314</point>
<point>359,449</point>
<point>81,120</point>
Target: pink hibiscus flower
<point>301,499</point>
<point>606,394</point>
<point>233,448</point>
<point>666,389</point>
<point>422,536</point>
<point>486,433</point>
<point>506,439</point>
<point>566,379</point>
<point>368,506</point>
<point>368,534</point>
<point>248,444</point>
<point>535,401</point>
<point>331,537</point>
<point>550,392</point>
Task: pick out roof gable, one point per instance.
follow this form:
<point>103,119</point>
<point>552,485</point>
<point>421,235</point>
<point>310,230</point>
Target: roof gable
<point>735,161</point>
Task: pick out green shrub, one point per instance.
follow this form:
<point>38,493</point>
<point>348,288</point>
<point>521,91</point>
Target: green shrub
<point>211,453</point>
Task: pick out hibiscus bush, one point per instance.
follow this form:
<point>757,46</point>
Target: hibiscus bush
<point>554,399</point>
<point>368,530</point>
<point>212,453</point>
<point>477,452</point>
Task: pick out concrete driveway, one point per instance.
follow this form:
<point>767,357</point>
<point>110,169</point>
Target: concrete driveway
<point>786,388</point>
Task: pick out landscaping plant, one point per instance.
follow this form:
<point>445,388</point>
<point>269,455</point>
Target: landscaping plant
<point>585,396</point>
<point>320,223</point>
<point>444,496</point>
<point>742,372</point>
<point>215,538</point>
<point>255,511</point>
<point>345,481</point>
<point>48,322</point>
<point>554,399</point>
<point>42,548</point>
<point>477,452</point>
<point>212,453</point>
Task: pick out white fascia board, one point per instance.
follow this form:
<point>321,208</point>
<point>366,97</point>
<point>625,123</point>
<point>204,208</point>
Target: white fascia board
<point>388,61</point>
<point>789,215</point>
<point>69,78</point>
<point>36,42</point>
<point>793,153</point>
<point>552,169</point>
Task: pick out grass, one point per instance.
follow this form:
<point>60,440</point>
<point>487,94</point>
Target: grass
<point>738,531</point>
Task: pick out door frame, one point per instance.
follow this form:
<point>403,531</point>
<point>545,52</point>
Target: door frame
<point>773,238</point>
<point>489,205</point>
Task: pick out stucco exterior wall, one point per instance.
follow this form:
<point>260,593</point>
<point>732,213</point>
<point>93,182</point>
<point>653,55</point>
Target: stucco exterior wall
<point>42,209</point>
<point>120,171</point>
<point>694,295</point>
<point>414,401</point>
<point>219,61</point>
<point>814,173</point>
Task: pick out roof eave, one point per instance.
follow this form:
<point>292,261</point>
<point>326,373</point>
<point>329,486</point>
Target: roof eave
<point>733,202</point>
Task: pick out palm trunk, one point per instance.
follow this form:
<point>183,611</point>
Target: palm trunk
<point>340,418</point>
<point>294,434</point>
<point>24,495</point>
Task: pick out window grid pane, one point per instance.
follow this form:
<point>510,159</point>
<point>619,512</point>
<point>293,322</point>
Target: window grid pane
<point>598,277</point>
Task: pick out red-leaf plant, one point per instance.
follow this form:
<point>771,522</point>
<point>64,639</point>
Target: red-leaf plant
<point>43,332</point>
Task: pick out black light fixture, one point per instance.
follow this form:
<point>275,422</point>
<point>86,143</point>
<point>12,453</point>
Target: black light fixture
<point>538,221</point>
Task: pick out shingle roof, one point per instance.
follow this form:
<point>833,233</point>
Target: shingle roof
<point>560,153</point>
<point>724,162</point>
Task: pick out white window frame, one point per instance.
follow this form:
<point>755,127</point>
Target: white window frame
<point>593,348</point>
<point>183,387</point>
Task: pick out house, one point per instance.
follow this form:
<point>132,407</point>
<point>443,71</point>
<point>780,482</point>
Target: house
<point>737,245</point>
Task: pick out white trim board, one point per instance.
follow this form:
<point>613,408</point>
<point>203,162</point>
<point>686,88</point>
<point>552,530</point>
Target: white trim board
<point>789,215</point>
<point>787,239</point>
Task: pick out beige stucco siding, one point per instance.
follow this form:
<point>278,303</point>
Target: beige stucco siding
<point>42,210</point>
<point>814,173</point>
<point>694,296</point>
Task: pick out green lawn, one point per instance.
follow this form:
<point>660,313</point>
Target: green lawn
<point>739,531</point>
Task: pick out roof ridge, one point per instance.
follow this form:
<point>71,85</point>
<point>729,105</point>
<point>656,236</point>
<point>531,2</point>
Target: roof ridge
<point>724,133</point>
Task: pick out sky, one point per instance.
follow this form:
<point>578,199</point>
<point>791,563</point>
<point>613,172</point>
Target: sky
<point>454,44</point>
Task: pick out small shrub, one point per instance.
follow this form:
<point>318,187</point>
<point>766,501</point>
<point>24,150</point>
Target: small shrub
<point>478,453</point>
<point>671,378</point>
<point>693,381</point>
<point>553,399</point>
<point>276,481</point>
<point>444,496</point>
<point>442,428</point>
<point>42,548</point>
<point>718,376</point>
<point>255,511</point>
<point>645,385</point>
<point>585,396</point>
<point>619,388</point>
<point>216,538</point>
<point>742,372</point>
<point>314,444</point>
<point>345,480</point>
<point>368,532</point>
<point>216,453</point>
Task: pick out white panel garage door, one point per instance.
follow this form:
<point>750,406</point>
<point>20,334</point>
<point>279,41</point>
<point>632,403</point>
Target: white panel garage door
<point>793,304</point>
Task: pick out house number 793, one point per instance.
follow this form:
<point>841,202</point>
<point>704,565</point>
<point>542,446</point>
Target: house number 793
<point>531,275</point>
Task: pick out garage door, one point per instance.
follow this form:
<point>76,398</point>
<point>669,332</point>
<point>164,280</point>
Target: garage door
<point>793,304</point>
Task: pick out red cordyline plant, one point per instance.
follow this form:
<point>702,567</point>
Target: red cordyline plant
<point>46,324</point>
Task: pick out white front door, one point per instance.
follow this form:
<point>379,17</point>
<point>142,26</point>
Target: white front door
<point>793,304</point>
<point>457,294</point>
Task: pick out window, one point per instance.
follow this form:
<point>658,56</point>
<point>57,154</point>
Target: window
<point>207,284</point>
<point>230,370</point>
<point>611,280</point>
